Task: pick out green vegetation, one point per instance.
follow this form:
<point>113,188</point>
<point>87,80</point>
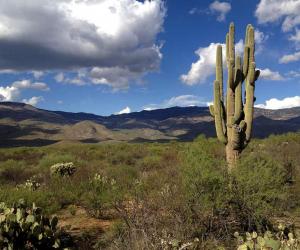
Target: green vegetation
<point>283,240</point>
<point>233,118</point>
<point>160,195</point>
<point>63,169</point>
<point>23,227</point>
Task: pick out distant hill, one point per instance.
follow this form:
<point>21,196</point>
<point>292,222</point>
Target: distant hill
<point>22,124</point>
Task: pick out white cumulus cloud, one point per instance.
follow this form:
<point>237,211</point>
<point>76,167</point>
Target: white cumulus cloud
<point>274,103</point>
<point>37,74</point>
<point>205,66</point>
<point>180,101</point>
<point>33,100</point>
<point>269,11</point>
<point>27,84</point>
<point>290,22</point>
<point>221,8</point>
<point>193,11</point>
<point>295,38</point>
<point>126,110</point>
<point>260,39</point>
<point>290,58</point>
<point>59,77</point>
<point>78,77</point>
<point>293,74</point>
<point>286,12</point>
<point>270,75</point>
<point>9,93</point>
<point>13,92</point>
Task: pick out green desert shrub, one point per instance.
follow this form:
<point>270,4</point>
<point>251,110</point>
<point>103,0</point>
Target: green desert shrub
<point>124,175</point>
<point>65,191</point>
<point>206,189</point>
<point>52,158</point>
<point>246,199</point>
<point>150,162</point>
<point>204,180</point>
<point>110,239</point>
<point>43,197</point>
<point>13,171</point>
<point>259,189</point>
<point>100,195</point>
<point>30,155</point>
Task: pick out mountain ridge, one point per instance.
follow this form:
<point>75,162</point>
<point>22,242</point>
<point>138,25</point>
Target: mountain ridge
<point>23,124</point>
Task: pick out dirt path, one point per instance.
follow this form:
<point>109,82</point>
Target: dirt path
<point>82,227</point>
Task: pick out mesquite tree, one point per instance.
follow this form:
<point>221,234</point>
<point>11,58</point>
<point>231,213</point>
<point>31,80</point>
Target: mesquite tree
<point>233,115</point>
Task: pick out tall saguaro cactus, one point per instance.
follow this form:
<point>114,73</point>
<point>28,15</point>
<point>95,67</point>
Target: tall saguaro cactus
<point>234,113</point>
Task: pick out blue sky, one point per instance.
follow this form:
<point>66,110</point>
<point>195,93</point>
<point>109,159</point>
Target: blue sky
<point>111,55</point>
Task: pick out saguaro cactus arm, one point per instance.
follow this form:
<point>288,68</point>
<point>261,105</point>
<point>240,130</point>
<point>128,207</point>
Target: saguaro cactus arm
<point>250,79</point>
<point>219,78</point>
<point>218,112</point>
<point>218,108</point>
<point>238,107</point>
<point>219,70</point>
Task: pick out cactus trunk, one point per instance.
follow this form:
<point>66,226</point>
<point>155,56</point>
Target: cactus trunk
<point>233,120</point>
<point>232,155</point>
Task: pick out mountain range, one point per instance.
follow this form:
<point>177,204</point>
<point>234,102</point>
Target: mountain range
<point>24,125</point>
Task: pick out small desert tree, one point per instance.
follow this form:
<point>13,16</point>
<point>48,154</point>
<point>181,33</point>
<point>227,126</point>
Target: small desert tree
<point>233,115</point>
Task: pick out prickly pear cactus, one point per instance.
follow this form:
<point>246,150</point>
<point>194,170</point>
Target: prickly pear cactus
<point>23,227</point>
<point>269,241</point>
<point>234,116</point>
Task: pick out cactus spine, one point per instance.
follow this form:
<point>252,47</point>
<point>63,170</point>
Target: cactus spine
<point>233,117</point>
